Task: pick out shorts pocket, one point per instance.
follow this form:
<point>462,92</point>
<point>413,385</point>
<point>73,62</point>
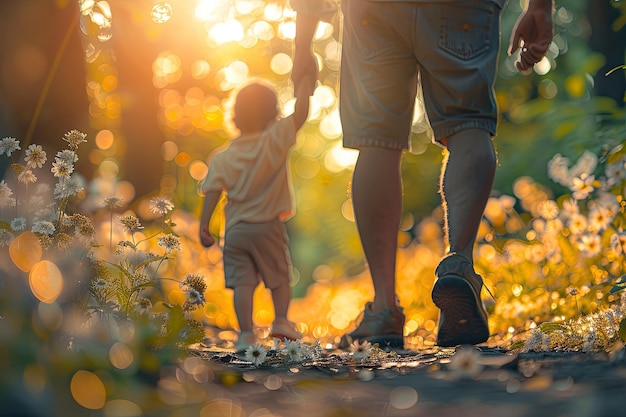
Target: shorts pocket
<point>467,32</point>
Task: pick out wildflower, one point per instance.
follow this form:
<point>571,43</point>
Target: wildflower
<point>131,223</point>
<point>590,341</point>
<point>582,186</point>
<point>361,350</point>
<point>572,291</point>
<point>113,202</point>
<point>160,205</point>
<point>618,242</point>
<point>63,241</point>
<point>9,145</point>
<point>585,165</point>
<point>100,284</point>
<point>139,279</point>
<point>5,195</point>
<point>194,287</point>
<point>83,225</point>
<point>61,169</point>
<point>170,242</point>
<point>35,156</point>
<point>143,306</point>
<point>548,209</point>
<point>616,172</point>
<point>293,351</point>
<point>67,156</point>
<point>558,170</point>
<point>27,177</point>
<point>18,224</point>
<point>74,138</point>
<point>5,190</point>
<point>570,207</point>
<point>68,188</point>
<point>589,244</point>
<point>599,219</point>
<point>256,354</point>
<point>465,363</point>
<point>195,281</point>
<point>43,227</point>
<point>533,341</point>
<point>577,224</point>
<point>6,237</point>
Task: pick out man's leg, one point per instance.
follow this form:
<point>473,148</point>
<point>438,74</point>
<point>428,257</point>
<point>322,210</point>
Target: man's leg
<point>377,202</point>
<point>466,181</point>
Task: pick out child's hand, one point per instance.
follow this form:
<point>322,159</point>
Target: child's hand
<point>305,88</point>
<point>206,238</point>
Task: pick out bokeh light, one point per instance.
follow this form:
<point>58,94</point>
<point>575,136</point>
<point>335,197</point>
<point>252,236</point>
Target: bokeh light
<point>46,281</point>
<point>161,12</point>
<point>25,250</point>
<point>88,390</point>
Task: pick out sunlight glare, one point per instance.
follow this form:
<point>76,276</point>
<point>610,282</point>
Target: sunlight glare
<point>200,69</point>
<point>273,12</point>
<point>224,32</point>
<point>287,30</point>
<point>262,30</point>
<point>161,12</point>
<point>340,158</point>
<point>330,125</point>
<point>247,6</point>
<point>281,63</point>
<point>204,10</point>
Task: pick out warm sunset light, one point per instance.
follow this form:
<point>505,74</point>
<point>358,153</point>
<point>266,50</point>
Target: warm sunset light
<point>120,297</point>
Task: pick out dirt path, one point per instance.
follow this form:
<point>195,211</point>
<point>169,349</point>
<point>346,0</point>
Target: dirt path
<point>490,383</point>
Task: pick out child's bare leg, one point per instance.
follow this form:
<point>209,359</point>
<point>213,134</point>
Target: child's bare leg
<point>281,296</point>
<point>243,306</point>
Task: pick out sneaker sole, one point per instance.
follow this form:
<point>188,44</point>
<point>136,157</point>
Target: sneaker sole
<point>462,319</point>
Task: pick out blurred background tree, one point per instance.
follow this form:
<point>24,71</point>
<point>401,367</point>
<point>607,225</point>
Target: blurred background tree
<point>149,82</point>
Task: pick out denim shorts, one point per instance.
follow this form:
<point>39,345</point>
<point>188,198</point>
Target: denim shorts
<point>255,252</point>
<point>450,49</point>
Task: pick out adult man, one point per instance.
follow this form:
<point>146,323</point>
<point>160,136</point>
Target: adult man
<point>451,47</point>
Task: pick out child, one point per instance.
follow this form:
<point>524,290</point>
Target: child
<point>252,171</point>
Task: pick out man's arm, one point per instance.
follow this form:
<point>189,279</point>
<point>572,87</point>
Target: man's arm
<point>211,198</point>
<point>304,61</point>
<point>533,33</point>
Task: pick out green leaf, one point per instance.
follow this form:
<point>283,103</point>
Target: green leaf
<point>548,328</point>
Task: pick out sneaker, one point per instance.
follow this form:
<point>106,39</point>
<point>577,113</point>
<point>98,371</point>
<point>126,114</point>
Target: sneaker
<point>284,329</point>
<point>246,339</point>
<point>384,328</point>
<point>462,316</point>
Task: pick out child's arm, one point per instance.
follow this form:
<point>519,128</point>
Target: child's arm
<point>303,91</point>
<point>211,198</point>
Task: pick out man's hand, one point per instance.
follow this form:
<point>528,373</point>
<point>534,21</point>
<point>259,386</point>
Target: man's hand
<point>304,70</point>
<point>206,238</point>
<point>533,33</point>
